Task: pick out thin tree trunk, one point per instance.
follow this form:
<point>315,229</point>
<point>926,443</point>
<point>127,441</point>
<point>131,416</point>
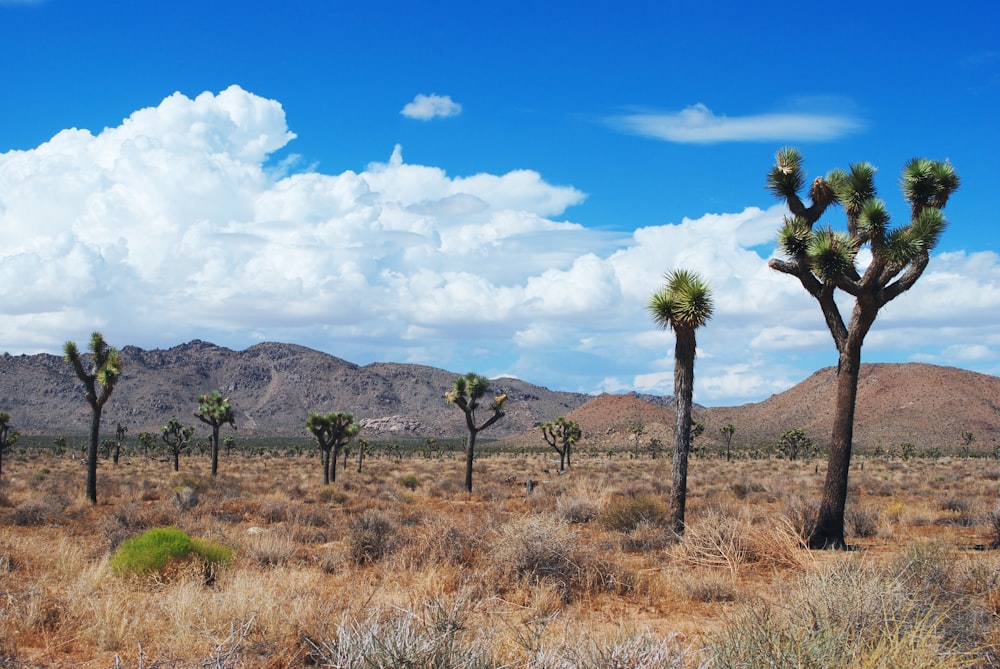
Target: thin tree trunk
<point>829,530</point>
<point>325,461</point>
<point>177,460</point>
<point>215,450</point>
<point>470,449</point>
<point>95,435</point>
<point>684,351</point>
<point>333,464</point>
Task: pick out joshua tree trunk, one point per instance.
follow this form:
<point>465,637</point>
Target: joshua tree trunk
<point>829,530</point>
<point>470,449</point>
<point>334,454</point>
<point>684,352</point>
<point>95,432</point>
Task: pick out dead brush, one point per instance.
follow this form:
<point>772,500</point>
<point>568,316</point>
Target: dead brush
<point>726,541</point>
<point>270,547</point>
<point>542,549</point>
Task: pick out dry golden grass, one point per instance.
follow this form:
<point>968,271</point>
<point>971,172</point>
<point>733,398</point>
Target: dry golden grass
<point>563,577</point>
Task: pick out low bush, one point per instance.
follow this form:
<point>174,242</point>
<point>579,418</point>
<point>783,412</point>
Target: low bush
<point>372,536</point>
<point>851,614</point>
<point>154,550</point>
<point>628,513</point>
<point>48,509</point>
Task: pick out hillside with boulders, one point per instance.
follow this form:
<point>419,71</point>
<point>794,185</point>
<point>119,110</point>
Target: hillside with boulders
<point>274,387</point>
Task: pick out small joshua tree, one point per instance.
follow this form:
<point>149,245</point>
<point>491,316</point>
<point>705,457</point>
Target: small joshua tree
<point>727,431</point>
<point>98,382</point>
<point>562,435</point>
<point>215,410</point>
<point>332,431</point>
<point>465,394</point>
<point>8,436</point>
<point>146,441</point>
<point>229,441</point>
<point>177,437</point>
<point>795,443</point>
<point>120,433</point>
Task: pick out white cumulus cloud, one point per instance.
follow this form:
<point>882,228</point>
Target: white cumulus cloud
<point>426,107</point>
<point>171,227</point>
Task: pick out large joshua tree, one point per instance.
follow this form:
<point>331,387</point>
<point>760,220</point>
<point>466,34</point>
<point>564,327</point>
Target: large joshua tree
<point>98,382</point>
<point>465,394</point>
<point>824,261</point>
<point>333,431</point>
<point>216,411</point>
<point>683,305</point>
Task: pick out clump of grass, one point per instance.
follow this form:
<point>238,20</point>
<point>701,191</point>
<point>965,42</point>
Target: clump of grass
<point>851,614</point>
<point>726,541</point>
<point>404,638</point>
<point>154,550</point>
<point>862,521</point>
<point>542,550</point>
<point>47,509</point>
<point>801,514</point>
<point>577,509</point>
<point>269,548</point>
<point>744,488</point>
<point>372,536</point>
<point>409,481</point>
<point>625,514</point>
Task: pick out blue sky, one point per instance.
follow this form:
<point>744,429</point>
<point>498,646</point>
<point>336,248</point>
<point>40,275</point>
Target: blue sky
<point>480,187</point>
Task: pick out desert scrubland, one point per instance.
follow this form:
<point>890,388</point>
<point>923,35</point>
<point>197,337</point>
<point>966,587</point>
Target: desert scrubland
<point>397,566</point>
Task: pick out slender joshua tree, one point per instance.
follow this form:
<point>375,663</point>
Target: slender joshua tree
<point>465,394</point>
<point>98,382</point>
<point>825,261</point>
<point>215,410</point>
<point>683,305</point>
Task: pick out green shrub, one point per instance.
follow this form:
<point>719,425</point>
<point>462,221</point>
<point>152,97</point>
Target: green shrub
<point>152,551</point>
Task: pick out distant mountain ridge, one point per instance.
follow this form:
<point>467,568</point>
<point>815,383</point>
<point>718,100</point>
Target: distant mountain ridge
<point>274,387</point>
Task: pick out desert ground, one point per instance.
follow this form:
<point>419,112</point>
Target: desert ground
<point>397,566</point>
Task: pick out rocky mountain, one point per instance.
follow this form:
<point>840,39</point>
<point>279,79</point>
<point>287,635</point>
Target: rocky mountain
<point>925,405</point>
<point>274,387</point>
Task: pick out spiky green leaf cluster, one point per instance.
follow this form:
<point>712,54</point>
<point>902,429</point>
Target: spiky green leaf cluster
<point>873,222</point>
<point>786,177</point>
<point>472,387</point>
<point>794,237</point>
<point>684,302</point>
<point>854,187</point>
<point>832,255</point>
<point>929,183</point>
<point>215,409</point>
